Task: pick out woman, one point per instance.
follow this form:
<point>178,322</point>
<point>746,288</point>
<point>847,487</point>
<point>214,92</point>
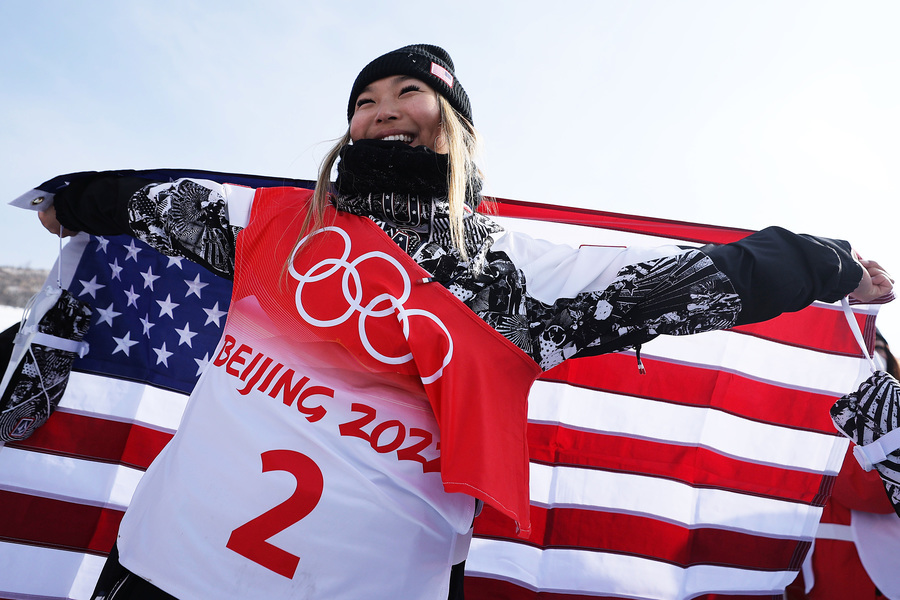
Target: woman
<point>377,351</point>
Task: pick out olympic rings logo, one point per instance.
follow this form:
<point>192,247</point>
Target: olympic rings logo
<point>328,267</point>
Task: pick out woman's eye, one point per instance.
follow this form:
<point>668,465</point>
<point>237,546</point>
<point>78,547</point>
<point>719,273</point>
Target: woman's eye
<point>410,88</point>
<point>362,101</point>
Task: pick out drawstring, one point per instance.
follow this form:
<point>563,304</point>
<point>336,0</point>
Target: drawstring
<point>854,326</point>
<point>59,260</point>
<point>640,363</point>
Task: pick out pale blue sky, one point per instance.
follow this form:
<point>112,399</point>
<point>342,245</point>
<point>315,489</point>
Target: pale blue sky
<point>743,113</point>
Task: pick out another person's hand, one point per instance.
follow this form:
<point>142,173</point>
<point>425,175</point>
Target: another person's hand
<point>51,224</point>
<point>875,283</point>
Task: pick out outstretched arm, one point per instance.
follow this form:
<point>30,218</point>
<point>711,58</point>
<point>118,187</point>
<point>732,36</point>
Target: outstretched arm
<point>776,271</point>
<point>187,217</point>
<point>752,280</point>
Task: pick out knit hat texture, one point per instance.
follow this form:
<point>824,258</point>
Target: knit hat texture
<point>429,63</point>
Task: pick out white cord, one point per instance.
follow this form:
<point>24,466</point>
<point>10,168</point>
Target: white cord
<point>59,260</point>
<point>854,326</point>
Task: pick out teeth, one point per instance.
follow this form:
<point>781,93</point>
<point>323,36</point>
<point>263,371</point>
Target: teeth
<point>398,138</point>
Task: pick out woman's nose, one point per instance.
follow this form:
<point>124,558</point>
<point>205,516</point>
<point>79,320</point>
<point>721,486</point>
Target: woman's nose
<point>387,111</point>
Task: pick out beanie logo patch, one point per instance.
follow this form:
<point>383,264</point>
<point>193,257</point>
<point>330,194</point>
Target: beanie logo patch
<point>442,74</point>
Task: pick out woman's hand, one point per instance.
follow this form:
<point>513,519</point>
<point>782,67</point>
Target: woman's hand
<point>51,224</point>
<point>875,282</point>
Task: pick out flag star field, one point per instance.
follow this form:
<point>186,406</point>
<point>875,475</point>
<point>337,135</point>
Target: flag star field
<point>149,308</point>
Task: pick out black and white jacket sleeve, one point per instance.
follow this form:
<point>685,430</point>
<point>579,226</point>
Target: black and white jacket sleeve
<point>776,271</point>
<point>186,217</point>
<point>588,301</point>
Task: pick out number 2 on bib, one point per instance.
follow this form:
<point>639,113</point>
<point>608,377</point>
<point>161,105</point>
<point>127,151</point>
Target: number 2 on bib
<point>249,540</point>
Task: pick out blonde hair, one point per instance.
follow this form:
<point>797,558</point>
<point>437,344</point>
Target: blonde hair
<point>315,216</point>
<point>463,146</point>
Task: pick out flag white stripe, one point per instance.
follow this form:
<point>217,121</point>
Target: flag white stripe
<point>671,501</point>
<point>30,572</point>
<point>731,435</point>
<point>122,400</point>
<point>760,359</point>
<point>64,478</point>
<point>833,531</point>
<point>565,233</point>
<point>601,573</point>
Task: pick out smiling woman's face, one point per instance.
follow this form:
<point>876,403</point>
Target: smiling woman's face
<point>399,108</point>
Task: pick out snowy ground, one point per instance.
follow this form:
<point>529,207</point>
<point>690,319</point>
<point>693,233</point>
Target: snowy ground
<point>9,315</point>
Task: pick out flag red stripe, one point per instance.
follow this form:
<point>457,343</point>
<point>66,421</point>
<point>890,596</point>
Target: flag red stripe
<point>778,596</point>
<point>94,438</point>
<point>485,588</point>
<point>58,524</point>
<point>557,445</point>
<point>692,232</point>
<point>815,328</point>
<point>694,386</point>
<point>594,530</point>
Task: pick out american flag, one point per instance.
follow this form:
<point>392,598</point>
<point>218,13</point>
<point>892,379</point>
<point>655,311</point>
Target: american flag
<point>704,477</point>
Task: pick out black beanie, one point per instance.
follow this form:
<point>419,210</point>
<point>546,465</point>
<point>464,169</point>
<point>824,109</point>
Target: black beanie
<point>429,63</point>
